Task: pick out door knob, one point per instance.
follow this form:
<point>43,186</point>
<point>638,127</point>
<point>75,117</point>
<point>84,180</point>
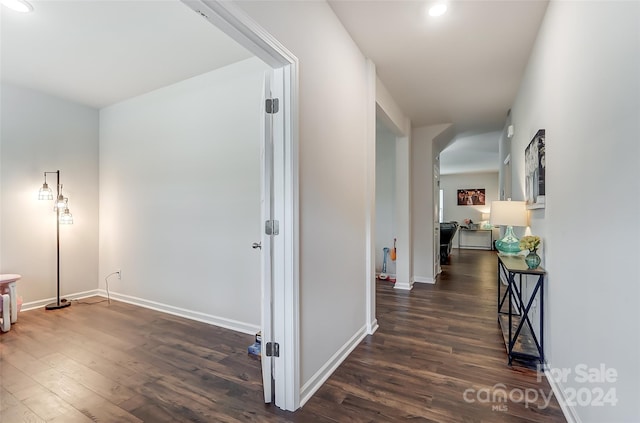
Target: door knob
<point>256,245</point>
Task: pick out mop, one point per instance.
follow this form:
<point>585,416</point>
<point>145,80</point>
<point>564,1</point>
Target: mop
<point>383,275</point>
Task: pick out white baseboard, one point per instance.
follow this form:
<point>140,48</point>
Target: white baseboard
<point>390,275</point>
<point>32,305</point>
<point>321,376</point>
<point>404,286</point>
<point>423,279</point>
<point>165,308</point>
<point>187,314</point>
<point>373,327</point>
<point>570,413</point>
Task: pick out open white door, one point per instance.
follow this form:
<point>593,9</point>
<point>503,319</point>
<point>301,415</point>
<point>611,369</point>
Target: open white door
<point>280,254</point>
<point>267,242</point>
<point>279,302</point>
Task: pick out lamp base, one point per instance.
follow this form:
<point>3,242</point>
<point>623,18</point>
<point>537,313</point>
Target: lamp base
<point>55,306</point>
<point>509,245</point>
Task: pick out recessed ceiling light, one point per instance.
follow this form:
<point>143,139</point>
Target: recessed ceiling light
<point>21,6</point>
<point>437,9</point>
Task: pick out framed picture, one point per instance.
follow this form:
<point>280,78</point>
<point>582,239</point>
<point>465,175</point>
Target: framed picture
<point>535,165</point>
<point>471,197</point>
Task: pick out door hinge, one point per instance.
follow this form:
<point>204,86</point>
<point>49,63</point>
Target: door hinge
<point>272,106</point>
<point>272,227</point>
<point>273,349</point>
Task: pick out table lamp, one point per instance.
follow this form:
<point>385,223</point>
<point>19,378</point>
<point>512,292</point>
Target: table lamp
<point>485,220</point>
<point>508,213</point>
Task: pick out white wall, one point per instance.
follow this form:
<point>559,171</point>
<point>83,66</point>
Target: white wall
<point>332,146</point>
<point>425,142</point>
<point>180,194</point>
<point>385,195</point>
<point>43,133</point>
<point>390,113</point>
<point>404,258</point>
<point>504,154</point>
<point>452,211</point>
<point>582,85</point>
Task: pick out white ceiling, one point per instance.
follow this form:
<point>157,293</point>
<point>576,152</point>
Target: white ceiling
<point>471,153</point>
<point>101,52</point>
<point>463,68</point>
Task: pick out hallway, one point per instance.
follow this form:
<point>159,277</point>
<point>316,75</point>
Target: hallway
<point>434,344</point>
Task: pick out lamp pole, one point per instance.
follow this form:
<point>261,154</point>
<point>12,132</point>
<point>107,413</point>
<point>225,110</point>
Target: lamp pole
<point>59,303</point>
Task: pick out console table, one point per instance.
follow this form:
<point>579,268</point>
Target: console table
<point>463,230</point>
<point>519,335</point>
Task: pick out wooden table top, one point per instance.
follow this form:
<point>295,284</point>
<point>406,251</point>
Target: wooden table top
<point>516,264</point>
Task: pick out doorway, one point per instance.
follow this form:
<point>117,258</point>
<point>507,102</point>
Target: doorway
<point>148,218</point>
<point>280,314</point>
<point>389,220</point>
<point>385,212</point>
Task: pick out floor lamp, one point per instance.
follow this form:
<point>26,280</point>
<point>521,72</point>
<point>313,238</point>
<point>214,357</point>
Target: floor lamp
<point>64,218</point>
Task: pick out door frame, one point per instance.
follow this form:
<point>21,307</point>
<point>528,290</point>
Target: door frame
<point>227,17</point>
<point>436,217</point>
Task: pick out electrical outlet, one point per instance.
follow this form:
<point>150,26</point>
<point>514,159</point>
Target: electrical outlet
<point>119,274</point>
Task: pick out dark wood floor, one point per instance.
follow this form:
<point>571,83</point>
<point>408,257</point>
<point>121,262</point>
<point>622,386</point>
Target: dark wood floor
<point>121,363</point>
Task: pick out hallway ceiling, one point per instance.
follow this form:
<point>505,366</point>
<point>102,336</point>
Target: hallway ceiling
<point>471,153</point>
<point>98,53</point>
<point>462,68</point>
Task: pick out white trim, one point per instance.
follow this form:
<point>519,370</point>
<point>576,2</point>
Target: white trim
<point>570,413</point>
<point>32,305</point>
<point>286,276</point>
<point>235,325</point>
<point>374,327</point>
<point>423,279</point>
<point>292,243</point>
<point>321,376</point>
<point>153,305</point>
<point>370,195</point>
<point>234,22</point>
<point>391,276</point>
<point>229,18</point>
<point>404,286</point>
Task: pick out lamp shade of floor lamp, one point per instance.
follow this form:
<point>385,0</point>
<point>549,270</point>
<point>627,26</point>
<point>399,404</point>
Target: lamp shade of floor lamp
<point>63,216</point>
<point>509,214</point>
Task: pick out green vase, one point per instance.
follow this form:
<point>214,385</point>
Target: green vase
<point>532,259</point>
<point>509,245</point>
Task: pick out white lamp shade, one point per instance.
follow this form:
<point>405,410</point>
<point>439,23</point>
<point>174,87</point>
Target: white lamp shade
<point>61,203</point>
<point>45,193</point>
<point>508,213</point>
<point>66,218</point>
